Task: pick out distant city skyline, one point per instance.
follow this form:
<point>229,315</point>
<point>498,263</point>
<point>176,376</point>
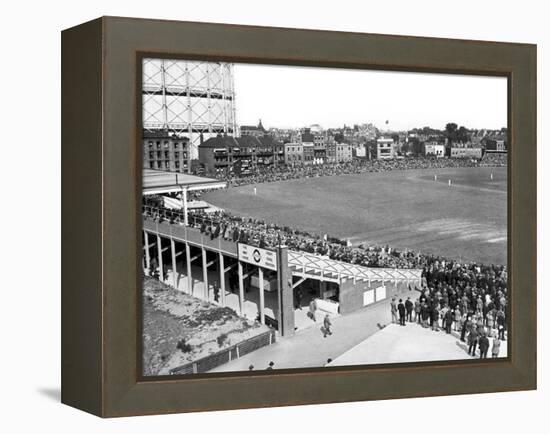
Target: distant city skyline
<point>297,97</point>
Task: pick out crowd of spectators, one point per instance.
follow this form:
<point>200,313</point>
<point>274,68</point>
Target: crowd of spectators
<point>262,234</point>
<point>494,160</point>
<point>475,313</point>
<point>287,172</point>
<point>470,297</point>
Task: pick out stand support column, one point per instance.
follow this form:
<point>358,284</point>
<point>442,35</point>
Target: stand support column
<point>241,289</point>
<point>261,285</point>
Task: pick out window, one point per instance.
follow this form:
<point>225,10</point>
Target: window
<point>176,145</point>
<point>151,165</point>
<point>165,144</point>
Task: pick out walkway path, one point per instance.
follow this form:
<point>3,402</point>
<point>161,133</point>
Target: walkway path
<point>308,348</point>
<point>412,343</point>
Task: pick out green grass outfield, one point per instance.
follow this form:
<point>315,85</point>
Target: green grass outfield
<point>405,209</point>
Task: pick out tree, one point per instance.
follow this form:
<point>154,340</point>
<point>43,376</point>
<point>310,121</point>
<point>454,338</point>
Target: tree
<point>451,132</point>
<point>371,148</point>
<point>415,145</point>
<point>338,137</point>
<point>463,134</point>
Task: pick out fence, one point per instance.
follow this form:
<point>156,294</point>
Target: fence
<point>231,353</point>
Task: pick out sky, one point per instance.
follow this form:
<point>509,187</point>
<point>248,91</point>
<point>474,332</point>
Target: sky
<point>293,97</point>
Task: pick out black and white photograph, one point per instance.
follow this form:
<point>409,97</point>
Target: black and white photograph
<point>300,217</point>
<point>230,216</point>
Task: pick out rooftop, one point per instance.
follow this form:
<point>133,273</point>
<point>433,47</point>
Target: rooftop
<point>258,127</point>
<point>235,142</point>
<point>162,134</point>
<point>160,181</point>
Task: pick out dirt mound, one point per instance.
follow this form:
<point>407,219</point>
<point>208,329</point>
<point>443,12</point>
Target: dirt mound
<point>179,328</point>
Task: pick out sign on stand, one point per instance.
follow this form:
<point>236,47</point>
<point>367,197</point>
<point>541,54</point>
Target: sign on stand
<point>256,256</point>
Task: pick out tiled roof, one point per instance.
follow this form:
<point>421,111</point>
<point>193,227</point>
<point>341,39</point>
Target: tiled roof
<point>244,141</point>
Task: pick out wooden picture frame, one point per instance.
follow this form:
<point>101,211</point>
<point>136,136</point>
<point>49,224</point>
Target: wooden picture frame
<point>101,218</point>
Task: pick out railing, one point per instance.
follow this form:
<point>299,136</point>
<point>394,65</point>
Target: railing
<point>196,221</point>
<point>231,353</point>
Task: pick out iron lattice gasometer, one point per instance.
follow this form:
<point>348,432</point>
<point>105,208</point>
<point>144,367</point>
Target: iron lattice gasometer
<point>189,98</point>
